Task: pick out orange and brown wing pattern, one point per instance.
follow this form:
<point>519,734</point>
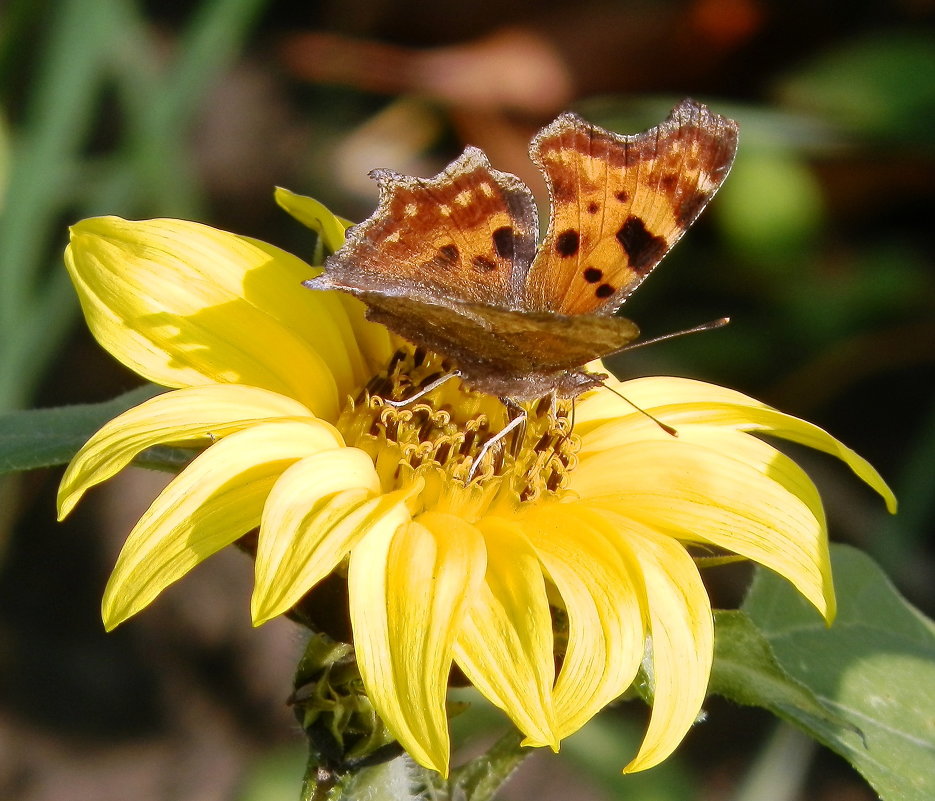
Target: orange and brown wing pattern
<point>619,203</point>
<point>469,235</point>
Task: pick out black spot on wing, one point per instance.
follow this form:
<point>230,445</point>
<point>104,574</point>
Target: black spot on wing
<point>592,275</point>
<point>642,247</point>
<point>604,291</point>
<point>503,242</point>
<point>448,253</point>
<point>483,264</point>
<point>567,242</point>
<point>446,257</point>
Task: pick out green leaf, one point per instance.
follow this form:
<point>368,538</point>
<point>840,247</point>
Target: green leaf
<point>746,671</point>
<point>46,437</point>
<point>874,669</point>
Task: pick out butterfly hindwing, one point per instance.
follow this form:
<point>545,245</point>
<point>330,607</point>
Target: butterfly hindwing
<point>468,235</point>
<point>524,354</point>
<point>619,203</point>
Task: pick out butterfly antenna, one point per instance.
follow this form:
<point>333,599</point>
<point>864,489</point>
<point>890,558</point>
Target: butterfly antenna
<point>709,326</point>
<point>668,429</point>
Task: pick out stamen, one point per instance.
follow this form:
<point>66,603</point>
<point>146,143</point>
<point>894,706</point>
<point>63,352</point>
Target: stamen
<point>469,448</point>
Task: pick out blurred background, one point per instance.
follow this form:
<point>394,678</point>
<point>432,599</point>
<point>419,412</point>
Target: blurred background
<point>820,247</point>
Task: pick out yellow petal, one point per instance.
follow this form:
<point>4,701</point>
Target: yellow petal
<point>681,402</point>
<point>374,340</point>
<point>651,392</point>
<point>682,631</point>
<point>722,487</point>
<point>317,512</point>
<point>315,215</point>
<point>605,624</point>
<point>192,416</point>
<point>214,501</point>
<point>184,304</point>
<point>505,645</point>
<point>409,591</point>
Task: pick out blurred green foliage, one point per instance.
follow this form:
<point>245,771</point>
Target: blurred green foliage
<point>881,87</point>
<point>88,48</point>
<point>820,247</point>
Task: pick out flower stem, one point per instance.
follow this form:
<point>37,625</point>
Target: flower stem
<point>316,784</point>
<point>481,778</point>
<point>400,779</point>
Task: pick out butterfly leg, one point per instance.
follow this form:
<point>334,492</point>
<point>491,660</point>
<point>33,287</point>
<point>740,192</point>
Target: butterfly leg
<point>399,404</point>
<point>517,415</point>
<point>515,412</point>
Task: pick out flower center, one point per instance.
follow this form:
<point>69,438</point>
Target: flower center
<point>451,437</point>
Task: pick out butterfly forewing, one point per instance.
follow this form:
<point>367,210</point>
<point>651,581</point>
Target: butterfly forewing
<point>619,203</point>
<point>469,235</point>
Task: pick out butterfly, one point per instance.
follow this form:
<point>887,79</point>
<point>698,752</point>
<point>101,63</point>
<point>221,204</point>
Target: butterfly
<point>452,263</point>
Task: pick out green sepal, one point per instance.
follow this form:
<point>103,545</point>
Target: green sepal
<point>332,706</point>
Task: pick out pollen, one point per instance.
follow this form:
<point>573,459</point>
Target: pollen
<point>448,438</point>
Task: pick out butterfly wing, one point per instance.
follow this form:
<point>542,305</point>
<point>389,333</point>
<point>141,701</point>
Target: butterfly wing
<point>467,235</point>
<point>619,203</point>
<point>501,351</point>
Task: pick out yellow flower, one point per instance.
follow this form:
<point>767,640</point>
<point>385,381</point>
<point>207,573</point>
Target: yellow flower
<point>581,532</point>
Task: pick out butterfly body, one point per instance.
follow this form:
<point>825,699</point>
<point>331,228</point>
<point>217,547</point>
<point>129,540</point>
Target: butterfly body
<point>452,262</point>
